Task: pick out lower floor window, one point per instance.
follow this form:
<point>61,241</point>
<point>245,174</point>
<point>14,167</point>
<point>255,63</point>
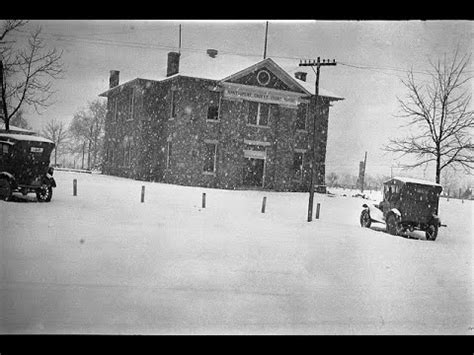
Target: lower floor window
<point>297,168</point>
<point>127,151</point>
<point>168,155</point>
<point>210,157</point>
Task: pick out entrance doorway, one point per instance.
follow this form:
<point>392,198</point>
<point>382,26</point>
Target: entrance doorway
<point>253,172</point>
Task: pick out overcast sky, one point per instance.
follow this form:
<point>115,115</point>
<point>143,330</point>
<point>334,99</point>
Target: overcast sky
<point>372,57</point>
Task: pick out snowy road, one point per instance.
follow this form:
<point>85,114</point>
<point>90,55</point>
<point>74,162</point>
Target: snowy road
<point>104,263</point>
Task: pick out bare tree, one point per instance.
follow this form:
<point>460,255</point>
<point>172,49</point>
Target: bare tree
<point>26,73</point>
<point>440,117</point>
<point>331,179</point>
<point>58,133</point>
<point>19,121</point>
<point>87,129</point>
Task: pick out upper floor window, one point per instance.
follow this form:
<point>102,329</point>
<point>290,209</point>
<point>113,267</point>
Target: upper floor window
<point>131,105</point>
<point>301,116</point>
<point>173,104</point>
<point>259,113</point>
<point>213,109</point>
<point>115,105</point>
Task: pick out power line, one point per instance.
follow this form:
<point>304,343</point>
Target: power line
<point>101,41</point>
<point>384,68</point>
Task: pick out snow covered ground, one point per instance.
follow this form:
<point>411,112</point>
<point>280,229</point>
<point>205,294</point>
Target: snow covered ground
<point>102,262</point>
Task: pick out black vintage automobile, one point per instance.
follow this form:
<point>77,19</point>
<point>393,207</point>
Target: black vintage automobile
<point>24,166</point>
<point>408,204</point>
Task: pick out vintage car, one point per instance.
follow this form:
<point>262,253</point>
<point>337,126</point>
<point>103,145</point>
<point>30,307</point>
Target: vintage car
<point>408,205</point>
<point>24,166</point>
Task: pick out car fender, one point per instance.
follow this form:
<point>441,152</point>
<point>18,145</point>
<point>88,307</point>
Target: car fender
<point>435,220</point>
<point>9,177</point>
<point>49,180</point>
<point>396,212</point>
<point>374,212</point>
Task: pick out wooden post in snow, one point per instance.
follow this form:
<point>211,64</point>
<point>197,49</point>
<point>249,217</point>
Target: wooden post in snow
<point>203,200</point>
<point>74,187</point>
<point>143,194</point>
<point>264,202</point>
<point>318,205</point>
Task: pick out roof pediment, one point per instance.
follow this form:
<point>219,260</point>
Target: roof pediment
<point>266,74</point>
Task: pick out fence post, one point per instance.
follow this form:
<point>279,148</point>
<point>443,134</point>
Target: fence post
<point>143,193</point>
<point>203,200</point>
<point>264,202</point>
<point>74,187</point>
<point>317,210</point>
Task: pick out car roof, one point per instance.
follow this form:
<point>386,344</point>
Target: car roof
<point>24,137</point>
<point>413,181</point>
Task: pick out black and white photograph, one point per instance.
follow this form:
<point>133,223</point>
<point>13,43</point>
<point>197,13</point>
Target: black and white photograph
<point>236,177</point>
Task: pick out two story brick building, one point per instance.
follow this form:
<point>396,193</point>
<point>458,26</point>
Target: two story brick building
<point>217,120</point>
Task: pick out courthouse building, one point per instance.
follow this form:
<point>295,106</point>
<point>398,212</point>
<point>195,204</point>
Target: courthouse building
<point>218,120</point>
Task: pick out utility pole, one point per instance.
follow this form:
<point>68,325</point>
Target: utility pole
<point>362,166</point>
<point>265,45</point>
<point>3,101</point>
<point>317,64</point>
<point>179,44</point>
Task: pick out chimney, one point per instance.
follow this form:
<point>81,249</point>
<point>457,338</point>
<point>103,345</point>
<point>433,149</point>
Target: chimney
<point>212,52</point>
<point>114,78</point>
<point>301,75</point>
<point>173,63</point>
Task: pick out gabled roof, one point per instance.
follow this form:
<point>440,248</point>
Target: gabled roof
<point>225,66</point>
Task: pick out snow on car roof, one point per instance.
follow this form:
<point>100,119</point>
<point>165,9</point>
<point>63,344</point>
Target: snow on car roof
<point>24,137</point>
<point>414,181</point>
<point>15,129</point>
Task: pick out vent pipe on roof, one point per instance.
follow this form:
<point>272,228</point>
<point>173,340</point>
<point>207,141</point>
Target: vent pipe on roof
<point>173,63</point>
<point>113,78</point>
<point>212,52</point>
<point>301,75</point>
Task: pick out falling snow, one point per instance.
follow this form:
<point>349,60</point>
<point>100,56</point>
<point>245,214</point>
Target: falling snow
<point>102,262</point>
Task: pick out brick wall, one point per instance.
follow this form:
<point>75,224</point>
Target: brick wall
<point>152,129</point>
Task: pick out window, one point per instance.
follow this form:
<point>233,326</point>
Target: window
<point>121,110</point>
<point>258,113</point>
<point>168,156</point>
<point>127,150</point>
<point>297,168</point>
<point>115,109</point>
<point>301,116</point>
<point>173,103</point>
<point>131,105</point>
<point>210,157</point>
<point>4,149</point>
<point>253,113</point>
<point>213,109</point>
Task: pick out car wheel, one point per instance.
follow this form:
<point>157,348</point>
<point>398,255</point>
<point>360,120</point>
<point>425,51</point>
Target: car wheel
<point>44,193</point>
<point>365,220</point>
<point>392,224</point>
<point>431,232</point>
<point>5,189</point>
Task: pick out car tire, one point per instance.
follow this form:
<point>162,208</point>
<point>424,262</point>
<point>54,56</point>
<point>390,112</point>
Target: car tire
<point>431,232</point>
<point>391,224</point>
<point>44,193</point>
<point>5,189</point>
<point>365,220</point>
